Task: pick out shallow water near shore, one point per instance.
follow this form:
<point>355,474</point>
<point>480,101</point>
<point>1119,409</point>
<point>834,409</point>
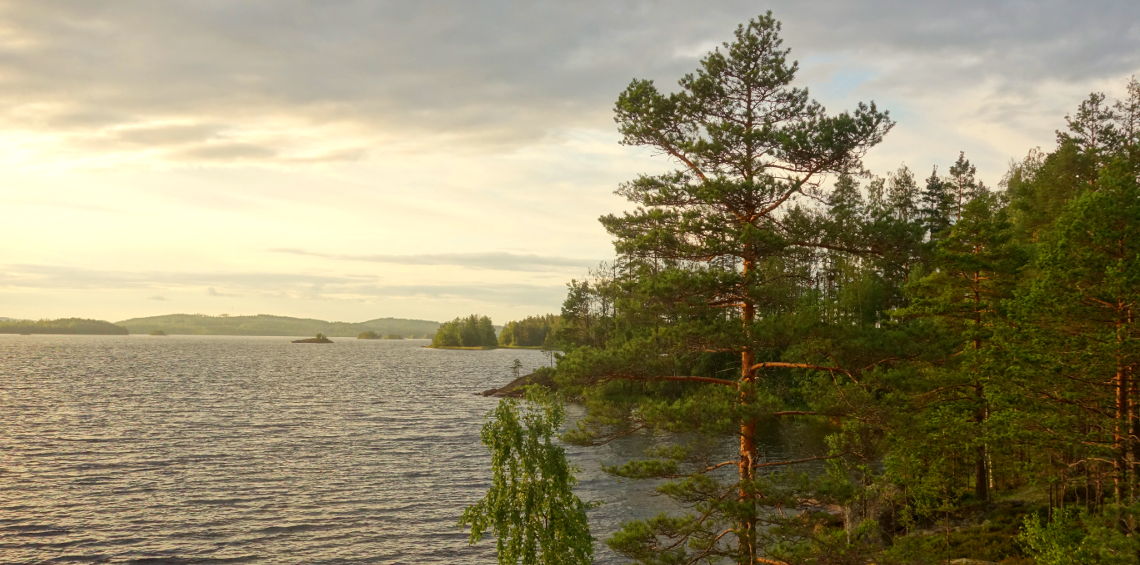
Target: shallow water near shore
<point>204,449</point>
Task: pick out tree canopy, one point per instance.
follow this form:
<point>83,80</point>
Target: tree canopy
<point>470,331</point>
<point>706,256</point>
<point>967,351</point>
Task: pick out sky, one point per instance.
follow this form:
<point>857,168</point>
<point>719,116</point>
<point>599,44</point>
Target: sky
<point>349,160</point>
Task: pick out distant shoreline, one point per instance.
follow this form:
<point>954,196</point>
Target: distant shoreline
<point>270,325</point>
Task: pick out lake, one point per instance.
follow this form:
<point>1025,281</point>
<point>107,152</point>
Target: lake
<point>210,449</point>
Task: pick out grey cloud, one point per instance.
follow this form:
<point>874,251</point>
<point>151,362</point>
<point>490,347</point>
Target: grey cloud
<point>167,134</point>
<point>496,260</point>
<point>500,72</point>
<point>492,72</point>
<point>952,45</point>
<point>72,117</point>
<point>227,151</point>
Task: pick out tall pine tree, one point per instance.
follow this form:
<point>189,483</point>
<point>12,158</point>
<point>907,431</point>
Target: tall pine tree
<point>713,249</point>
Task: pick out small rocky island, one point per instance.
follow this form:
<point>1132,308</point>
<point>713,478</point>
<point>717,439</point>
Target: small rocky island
<point>543,377</point>
<point>319,339</point>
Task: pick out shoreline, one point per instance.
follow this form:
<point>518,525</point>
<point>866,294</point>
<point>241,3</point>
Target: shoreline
<point>515,388</point>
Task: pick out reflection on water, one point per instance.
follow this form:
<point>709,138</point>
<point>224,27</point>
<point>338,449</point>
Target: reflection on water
<point>238,449</point>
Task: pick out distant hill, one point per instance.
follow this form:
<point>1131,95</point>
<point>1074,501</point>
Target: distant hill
<point>60,326</point>
<point>264,324</point>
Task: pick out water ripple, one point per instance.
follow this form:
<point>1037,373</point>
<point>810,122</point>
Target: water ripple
<point>131,449</point>
<point>240,450</point>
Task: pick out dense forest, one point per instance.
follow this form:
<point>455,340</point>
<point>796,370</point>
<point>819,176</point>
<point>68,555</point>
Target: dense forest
<point>262,324</point>
<point>470,331</point>
<point>970,351</point>
<point>532,331</point>
<point>61,326</point>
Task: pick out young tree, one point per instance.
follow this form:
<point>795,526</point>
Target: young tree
<point>937,205</point>
<point>531,507</point>
<point>963,185</point>
<point>710,246</point>
<point>902,195</point>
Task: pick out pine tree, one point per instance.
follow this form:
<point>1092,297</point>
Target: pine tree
<point>963,185</point>
<point>1081,313</point>
<point>710,252</point>
<point>937,205</point>
<point>974,268</point>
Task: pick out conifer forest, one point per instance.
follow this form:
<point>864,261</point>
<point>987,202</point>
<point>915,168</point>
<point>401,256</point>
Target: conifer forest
<point>969,351</point>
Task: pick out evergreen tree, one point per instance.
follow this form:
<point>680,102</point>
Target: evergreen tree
<point>1041,186</point>
<point>1127,113</point>
<point>937,206</point>
<point>532,331</point>
<point>1080,324</point>
<point>974,268</point>
<point>708,255</point>
<point>895,236</point>
<point>963,185</point>
<point>471,331</point>
<point>902,195</point>
<point>1092,128</point>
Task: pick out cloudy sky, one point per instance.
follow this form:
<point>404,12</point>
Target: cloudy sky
<point>349,160</point>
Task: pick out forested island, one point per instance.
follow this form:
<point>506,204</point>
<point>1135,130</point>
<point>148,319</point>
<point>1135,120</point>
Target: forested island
<point>530,332</point>
<point>970,351</point>
<point>263,324</point>
<point>470,332</point>
<point>478,332</point>
<point>61,326</point>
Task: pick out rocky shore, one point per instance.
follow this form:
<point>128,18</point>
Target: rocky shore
<point>514,389</point>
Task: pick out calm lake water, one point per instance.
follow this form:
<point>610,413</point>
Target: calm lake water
<point>180,449</point>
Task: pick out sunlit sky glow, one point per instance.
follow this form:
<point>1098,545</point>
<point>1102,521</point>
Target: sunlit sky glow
<point>354,160</point>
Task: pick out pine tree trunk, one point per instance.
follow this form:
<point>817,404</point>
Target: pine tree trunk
<point>981,413</point>
<point>981,463</point>
<point>1122,432</point>
<point>746,528</point>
